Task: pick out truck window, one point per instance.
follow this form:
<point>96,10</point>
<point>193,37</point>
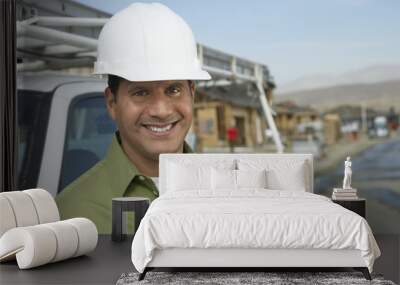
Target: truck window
<point>33,110</point>
<point>88,135</point>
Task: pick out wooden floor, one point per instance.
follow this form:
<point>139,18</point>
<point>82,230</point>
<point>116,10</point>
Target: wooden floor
<point>389,262</point>
<point>110,259</point>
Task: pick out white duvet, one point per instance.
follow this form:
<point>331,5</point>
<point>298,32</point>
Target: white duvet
<point>256,218</point>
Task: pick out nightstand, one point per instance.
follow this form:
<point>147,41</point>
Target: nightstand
<point>356,205</point>
<point>138,205</point>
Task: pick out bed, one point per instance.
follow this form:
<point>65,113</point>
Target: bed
<point>247,210</point>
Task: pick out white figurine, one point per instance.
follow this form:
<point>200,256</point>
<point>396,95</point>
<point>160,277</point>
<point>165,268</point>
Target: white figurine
<point>347,174</point>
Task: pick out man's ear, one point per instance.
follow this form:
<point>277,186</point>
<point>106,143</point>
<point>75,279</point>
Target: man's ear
<point>110,102</point>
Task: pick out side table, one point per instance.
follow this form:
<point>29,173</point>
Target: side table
<point>138,205</point>
<point>356,205</point>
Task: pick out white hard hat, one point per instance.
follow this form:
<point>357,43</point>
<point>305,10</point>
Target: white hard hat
<point>148,42</point>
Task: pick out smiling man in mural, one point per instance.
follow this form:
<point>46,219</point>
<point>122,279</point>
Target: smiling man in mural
<point>149,55</point>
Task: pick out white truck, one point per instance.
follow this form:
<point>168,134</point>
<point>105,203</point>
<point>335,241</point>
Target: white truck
<point>381,126</point>
<point>64,128</point>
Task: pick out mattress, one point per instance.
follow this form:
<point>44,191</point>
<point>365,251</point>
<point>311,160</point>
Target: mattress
<point>251,219</point>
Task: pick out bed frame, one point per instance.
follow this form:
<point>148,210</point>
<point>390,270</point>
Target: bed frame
<point>244,259</point>
<point>249,258</point>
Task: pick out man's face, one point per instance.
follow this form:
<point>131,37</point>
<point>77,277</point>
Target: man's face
<point>152,117</point>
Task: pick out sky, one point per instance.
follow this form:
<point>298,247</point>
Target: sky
<point>294,38</point>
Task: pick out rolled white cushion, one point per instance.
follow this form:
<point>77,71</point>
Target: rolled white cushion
<point>7,218</point>
<point>67,239</point>
<point>87,235</point>
<point>33,246</point>
<point>23,208</point>
<point>40,244</point>
<point>45,205</point>
<point>26,208</point>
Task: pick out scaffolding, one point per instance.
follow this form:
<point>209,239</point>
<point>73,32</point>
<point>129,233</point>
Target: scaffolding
<point>64,41</point>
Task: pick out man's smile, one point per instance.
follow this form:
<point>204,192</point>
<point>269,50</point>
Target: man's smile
<point>160,129</point>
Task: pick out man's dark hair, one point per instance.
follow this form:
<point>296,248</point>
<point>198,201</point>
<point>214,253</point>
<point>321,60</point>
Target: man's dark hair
<point>113,84</point>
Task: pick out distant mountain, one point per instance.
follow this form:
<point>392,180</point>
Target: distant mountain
<point>380,96</point>
<point>372,74</point>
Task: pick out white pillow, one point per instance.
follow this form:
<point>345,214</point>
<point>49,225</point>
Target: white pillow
<point>281,174</point>
<point>223,179</point>
<point>293,180</point>
<point>251,178</point>
<point>183,177</point>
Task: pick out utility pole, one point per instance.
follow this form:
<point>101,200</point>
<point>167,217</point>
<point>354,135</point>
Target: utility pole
<point>364,123</point>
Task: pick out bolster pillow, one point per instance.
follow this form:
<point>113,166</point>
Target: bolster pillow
<point>26,208</point>
<point>40,244</point>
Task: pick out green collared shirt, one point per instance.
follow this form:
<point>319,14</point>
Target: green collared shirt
<point>90,195</point>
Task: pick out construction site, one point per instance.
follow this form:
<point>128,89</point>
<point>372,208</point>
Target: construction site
<point>56,49</point>
<point>65,126</point>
